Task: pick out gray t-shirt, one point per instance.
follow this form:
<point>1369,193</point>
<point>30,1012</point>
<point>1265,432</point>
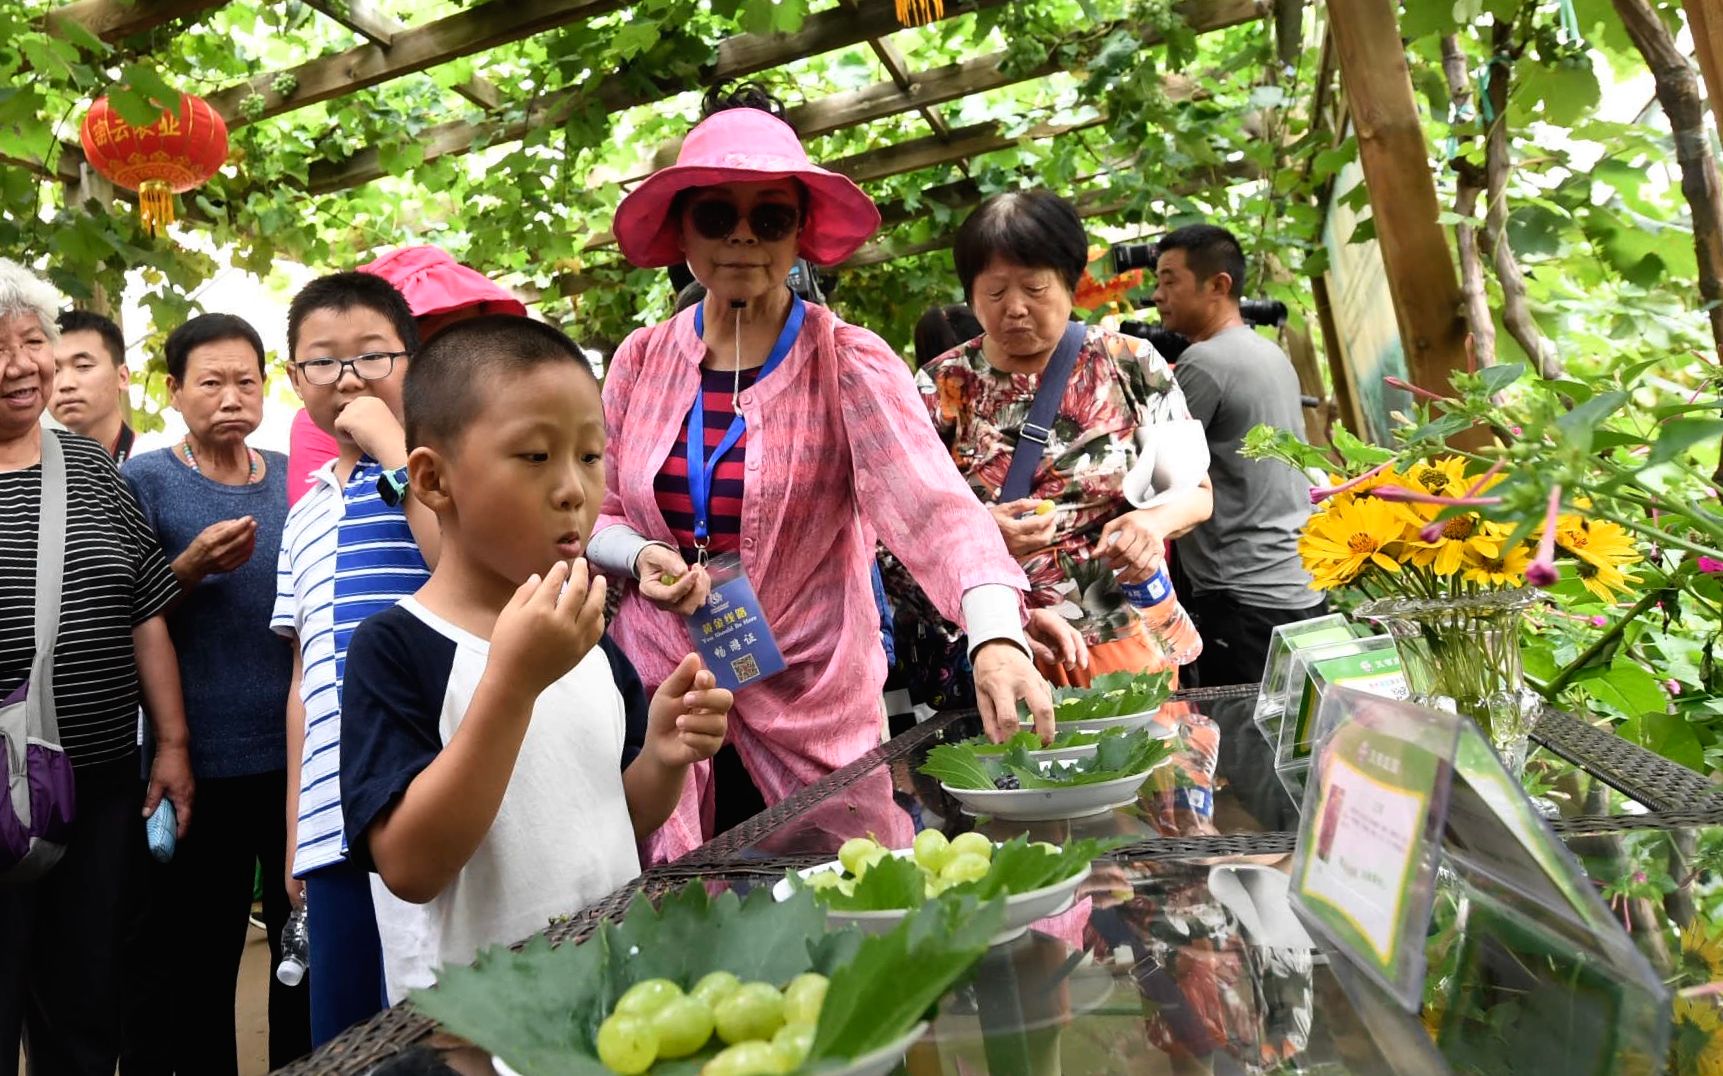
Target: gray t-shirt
<point>1233,382</point>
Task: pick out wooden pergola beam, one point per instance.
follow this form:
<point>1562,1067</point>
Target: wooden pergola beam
<point>965,194</point>
<point>964,143</point>
<point>476,29</point>
<point>114,20</point>
<point>1395,159</point>
<point>380,28</point>
<point>950,82</point>
<point>1094,202</point>
<point>738,57</point>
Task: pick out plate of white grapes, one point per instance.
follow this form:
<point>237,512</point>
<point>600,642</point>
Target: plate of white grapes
<point>873,887</point>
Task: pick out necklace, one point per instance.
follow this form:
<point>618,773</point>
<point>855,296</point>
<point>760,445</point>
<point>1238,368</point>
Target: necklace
<point>251,456</point>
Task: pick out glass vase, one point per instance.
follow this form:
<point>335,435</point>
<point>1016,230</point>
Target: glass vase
<point>1463,654</point>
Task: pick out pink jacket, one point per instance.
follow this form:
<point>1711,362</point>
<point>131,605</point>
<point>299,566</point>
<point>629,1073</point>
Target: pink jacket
<point>839,450</point>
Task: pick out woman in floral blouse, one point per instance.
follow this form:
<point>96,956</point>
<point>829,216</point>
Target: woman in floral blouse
<point>1019,257</point>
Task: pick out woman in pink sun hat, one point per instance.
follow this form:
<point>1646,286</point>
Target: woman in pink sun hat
<point>439,291</point>
<point>757,426</point>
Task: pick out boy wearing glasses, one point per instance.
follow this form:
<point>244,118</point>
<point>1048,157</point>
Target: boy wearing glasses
<point>351,547</point>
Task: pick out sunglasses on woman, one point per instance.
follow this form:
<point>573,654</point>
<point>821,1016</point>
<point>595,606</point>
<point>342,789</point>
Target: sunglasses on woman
<point>769,221</point>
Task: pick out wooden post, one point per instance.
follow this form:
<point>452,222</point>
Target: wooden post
<point>1705,19</point>
<point>1403,205</point>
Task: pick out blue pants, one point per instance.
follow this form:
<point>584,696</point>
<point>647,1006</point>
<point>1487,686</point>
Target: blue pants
<point>346,955</point>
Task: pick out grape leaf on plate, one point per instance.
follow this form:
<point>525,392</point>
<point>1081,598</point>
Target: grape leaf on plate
<point>957,765</point>
<point>539,1009</point>
<point>895,978</point>
<point>1119,753</point>
<point>1019,866</point>
<point>1110,695</point>
<point>1065,738</point>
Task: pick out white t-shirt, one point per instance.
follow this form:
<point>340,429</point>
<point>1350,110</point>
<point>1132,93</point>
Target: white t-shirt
<point>562,838</point>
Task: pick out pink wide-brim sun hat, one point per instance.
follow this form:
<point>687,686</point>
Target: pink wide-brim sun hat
<point>744,145</point>
<point>432,282</point>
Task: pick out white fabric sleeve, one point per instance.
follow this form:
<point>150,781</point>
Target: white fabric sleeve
<point>615,548</point>
<point>994,611</point>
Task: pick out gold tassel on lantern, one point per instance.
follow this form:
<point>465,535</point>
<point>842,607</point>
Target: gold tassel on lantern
<point>918,12</point>
<point>155,206</point>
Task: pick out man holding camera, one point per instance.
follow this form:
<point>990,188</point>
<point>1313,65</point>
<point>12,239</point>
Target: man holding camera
<point>1241,572</point>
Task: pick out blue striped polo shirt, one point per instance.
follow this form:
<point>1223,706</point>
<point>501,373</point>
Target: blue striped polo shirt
<point>323,591</point>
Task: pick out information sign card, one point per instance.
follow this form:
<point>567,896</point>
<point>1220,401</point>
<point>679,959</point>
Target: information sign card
<point>1286,640</point>
<point>1394,790</point>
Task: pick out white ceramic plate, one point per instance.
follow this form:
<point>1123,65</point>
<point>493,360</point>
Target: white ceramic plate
<point>877,1063</point>
<point>1050,804</point>
<point>1020,910</point>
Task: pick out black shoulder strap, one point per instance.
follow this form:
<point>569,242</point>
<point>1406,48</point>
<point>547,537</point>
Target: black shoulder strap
<point>1038,427</point>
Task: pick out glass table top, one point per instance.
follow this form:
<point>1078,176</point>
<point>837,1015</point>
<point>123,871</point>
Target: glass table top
<point>1167,966</point>
<point>1222,782</point>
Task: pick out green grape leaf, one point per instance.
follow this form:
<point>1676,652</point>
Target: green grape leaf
<point>1119,753</point>
<point>893,979</point>
<point>893,882</point>
<point>1020,866</point>
<point>539,1009</point>
<point>1030,741</point>
<point>957,766</point>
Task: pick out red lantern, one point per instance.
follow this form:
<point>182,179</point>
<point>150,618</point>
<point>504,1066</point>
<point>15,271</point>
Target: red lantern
<point>178,152</point>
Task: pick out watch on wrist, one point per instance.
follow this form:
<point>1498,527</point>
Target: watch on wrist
<point>392,486</point>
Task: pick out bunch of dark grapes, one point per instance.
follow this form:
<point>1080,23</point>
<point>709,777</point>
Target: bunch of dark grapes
<point>1006,782</point>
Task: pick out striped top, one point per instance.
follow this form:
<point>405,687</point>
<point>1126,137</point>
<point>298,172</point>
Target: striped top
<point>115,579</point>
<point>377,561</point>
<point>724,522</point>
<point>305,607</point>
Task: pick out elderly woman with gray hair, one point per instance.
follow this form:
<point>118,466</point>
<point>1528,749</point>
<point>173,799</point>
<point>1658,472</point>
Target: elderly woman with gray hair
<point>61,932</point>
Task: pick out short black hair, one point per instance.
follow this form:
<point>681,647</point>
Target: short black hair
<point>1035,229</point>
<point>943,328</point>
<point>724,96</point>
<point>1209,249</point>
<point>78,321</point>
<point>342,292</point>
<point>442,394</point>
<point>208,329</point>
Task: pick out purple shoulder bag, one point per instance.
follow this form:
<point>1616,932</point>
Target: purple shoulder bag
<point>36,814</point>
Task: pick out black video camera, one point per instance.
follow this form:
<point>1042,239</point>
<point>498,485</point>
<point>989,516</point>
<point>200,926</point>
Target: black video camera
<point>1256,312</point>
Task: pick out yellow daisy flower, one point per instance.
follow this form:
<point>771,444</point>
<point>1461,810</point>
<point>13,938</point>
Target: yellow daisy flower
<point>1506,569</point>
<point>1596,541</point>
<point>1339,544</point>
<point>1605,580</point>
<point>1703,1056</point>
<point>1702,953</point>
<point>1445,477</point>
<point>1460,535</point>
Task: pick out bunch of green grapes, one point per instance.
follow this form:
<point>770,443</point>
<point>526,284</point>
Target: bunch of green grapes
<point>767,1032</point>
<point>967,857</point>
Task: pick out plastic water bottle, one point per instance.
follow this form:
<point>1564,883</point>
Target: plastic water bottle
<point>1165,617</point>
<point>295,949</point>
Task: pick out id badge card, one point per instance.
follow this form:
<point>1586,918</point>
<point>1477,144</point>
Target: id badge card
<point>730,631</point>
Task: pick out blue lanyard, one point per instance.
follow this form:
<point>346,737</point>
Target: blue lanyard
<point>702,467</point>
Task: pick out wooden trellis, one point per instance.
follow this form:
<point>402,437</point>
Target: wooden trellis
<point>1367,43</point>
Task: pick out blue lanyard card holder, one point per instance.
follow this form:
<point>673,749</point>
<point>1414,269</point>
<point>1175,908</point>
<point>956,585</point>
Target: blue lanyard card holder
<point>730,632</point>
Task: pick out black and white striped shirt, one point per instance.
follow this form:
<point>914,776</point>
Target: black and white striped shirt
<point>115,578</point>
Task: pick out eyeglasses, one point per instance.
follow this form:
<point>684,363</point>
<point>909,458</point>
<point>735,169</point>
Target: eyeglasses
<point>769,221</point>
<point>371,366</point>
